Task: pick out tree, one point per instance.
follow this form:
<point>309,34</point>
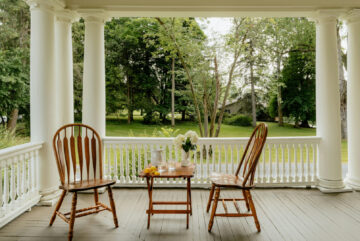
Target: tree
<point>298,77</point>
<point>14,60</point>
<point>78,37</point>
<point>282,35</point>
<point>184,37</point>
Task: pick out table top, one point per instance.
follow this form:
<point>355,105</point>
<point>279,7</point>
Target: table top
<point>178,172</point>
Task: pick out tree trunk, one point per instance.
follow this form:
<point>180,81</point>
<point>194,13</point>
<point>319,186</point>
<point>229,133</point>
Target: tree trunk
<point>222,111</point>
<point>216,101</point>
<point>343,87</point>
<point>129,100</point>
<point>305,124</point>
<point>187,71</point>
<point>13,119</point>
<point>279,97</point>
<point>206,115</point>
<point>173,92</point>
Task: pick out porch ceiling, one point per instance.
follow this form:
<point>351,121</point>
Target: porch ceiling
<point>212,7</point>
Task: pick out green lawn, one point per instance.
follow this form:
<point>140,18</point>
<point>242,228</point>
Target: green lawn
<point>121,128</point>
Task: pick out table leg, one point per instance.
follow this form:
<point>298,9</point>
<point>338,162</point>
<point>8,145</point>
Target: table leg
<point>150,182</point>
<point>189,190</point>
<point>187,203</point>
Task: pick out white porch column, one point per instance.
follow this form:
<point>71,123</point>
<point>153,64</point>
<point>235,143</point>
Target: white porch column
<point>93,102</point>
<point>64,66</point>
<point>43,94</point>
<point>353,99</point>
<point>328,103</point>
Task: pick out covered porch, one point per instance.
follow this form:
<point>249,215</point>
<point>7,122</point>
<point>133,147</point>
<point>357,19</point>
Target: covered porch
<point>30,174</point>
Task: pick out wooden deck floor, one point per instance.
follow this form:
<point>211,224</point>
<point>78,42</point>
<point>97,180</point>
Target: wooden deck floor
<point>284,214</point>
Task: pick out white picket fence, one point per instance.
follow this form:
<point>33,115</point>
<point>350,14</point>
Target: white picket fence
<point>285,161</point>
<point>19,189</point>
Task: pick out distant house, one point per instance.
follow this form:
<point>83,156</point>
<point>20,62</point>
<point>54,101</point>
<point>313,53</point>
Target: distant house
<point>233,107</point>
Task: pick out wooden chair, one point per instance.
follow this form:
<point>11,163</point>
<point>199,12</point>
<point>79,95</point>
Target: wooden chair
<point>83,151</point>
<point>244,182</point>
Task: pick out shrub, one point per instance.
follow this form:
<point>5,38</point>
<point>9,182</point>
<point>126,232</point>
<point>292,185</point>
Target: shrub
<point>239,120</point>
<point>151,118</point>
<point>8,138</point>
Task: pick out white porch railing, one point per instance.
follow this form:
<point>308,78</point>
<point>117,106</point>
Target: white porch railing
<point>19,186</point>
<point>285,161</point>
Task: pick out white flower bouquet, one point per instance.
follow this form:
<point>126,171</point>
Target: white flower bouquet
<point>187,142</point>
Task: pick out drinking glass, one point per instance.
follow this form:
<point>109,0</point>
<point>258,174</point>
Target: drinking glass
<point>171,165</point>
<point>162,166</point>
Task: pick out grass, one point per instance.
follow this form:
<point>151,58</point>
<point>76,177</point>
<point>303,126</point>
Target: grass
<point>119,127</point>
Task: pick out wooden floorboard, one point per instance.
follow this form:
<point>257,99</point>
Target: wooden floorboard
<point>284,214</point>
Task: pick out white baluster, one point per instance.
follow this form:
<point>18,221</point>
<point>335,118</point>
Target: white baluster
<point>139,147</point>
<point>2,178</point>
<point>290,179</point>
<point>257,175</point>
<point>28,180</point>
<point>201,163</point>
<point>122,174</point>
<point>127,163</point>
<point>271,178</point>
<point>12,183</point>
<point>315,152</point>
<point>296,164</point>
<point>6,185</point>
<point>219,147</point>
<point>108,174</point>
<point>308,163</point>
<point>283,163</point>
<point>146,149</point>
<point>232,159</point>
<point>18,178</point>
<point>277,163</point>
<point>226,147</point>
<point>264,165</point>
<point>207,164</point>
<point>23,176</point>
<point>133,167</point>
<point>302,178</point>
<point>213,157</point>
<point>116,173</point>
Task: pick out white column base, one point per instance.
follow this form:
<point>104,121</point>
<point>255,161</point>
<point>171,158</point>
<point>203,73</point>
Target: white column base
<point>332,186</point>
<point>49,197</point>
<point>354,183</point>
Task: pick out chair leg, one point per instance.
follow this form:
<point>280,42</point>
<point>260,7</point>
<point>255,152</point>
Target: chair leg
<point>211,222</point>
<point>210,197</point>
<point>246,200</point>
<point>112,204</point>
<point>96,197</point>
<point>72,216</point>
<point>253,210</point>
<point>58,206</point>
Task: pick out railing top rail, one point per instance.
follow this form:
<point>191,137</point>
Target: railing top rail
<point>19,149</point>
<point>220,140</point>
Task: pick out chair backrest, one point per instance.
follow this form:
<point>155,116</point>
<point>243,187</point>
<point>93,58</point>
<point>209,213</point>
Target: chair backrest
<point>252,154</point>
<point>77,145</point>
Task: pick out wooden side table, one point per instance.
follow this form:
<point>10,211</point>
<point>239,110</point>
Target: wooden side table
<point>179,172</point>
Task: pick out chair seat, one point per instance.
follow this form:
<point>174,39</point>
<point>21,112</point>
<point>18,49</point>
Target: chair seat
<point>85,185</point>
<point>227,180</point>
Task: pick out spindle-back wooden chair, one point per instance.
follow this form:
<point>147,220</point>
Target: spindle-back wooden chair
<point>244,181</point>
<point>78,148</point>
